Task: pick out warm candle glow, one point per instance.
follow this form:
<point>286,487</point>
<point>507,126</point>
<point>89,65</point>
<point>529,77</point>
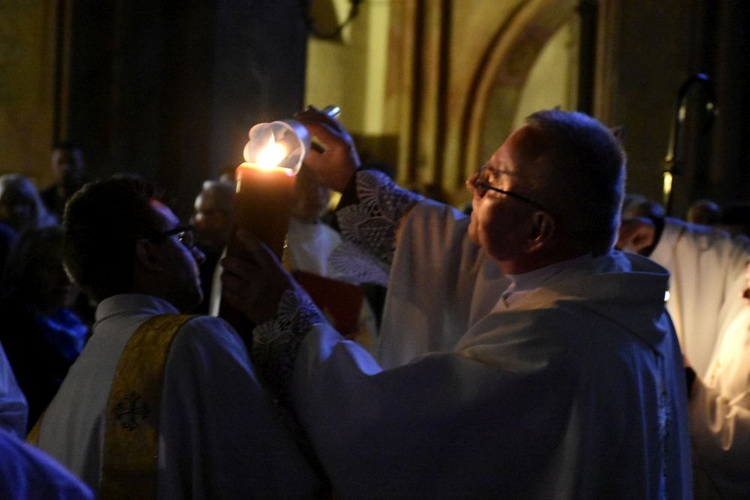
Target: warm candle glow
<point>272,154</point>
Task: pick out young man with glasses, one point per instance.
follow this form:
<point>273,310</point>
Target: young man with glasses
<point>568,386</point>
<point>159,403</point>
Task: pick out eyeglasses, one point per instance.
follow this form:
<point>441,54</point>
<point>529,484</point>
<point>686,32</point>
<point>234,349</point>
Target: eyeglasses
<point>185,235</point>
<point>482,186</point>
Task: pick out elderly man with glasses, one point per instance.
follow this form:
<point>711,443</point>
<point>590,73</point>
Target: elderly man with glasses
<point>562,379</point>
<point>160,404</point>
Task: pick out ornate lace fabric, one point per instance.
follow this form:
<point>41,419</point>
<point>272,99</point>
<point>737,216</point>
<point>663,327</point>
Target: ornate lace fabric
<point>275,343</point>
<point>373,221</point>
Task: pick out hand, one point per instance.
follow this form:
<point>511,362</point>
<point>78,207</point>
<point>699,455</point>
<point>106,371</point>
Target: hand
<point>254,281</point>
<point>339,159</point>
<point>636,234</point>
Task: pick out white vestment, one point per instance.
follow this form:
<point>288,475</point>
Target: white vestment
<point>720,414</point>
<point>708,276</point>
<point>576,390</point>
<point>707,271</point>
<point>442,284</point>
<point>219,435</point>
<point>13,408</point>
<point>310,246</point>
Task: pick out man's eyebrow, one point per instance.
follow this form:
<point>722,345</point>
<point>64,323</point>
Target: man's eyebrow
<point>500,170</point>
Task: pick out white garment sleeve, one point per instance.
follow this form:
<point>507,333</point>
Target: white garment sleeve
<point>221,435</point>
<point>372,220</point>
<point>720,430</point>
<point>707,275</point>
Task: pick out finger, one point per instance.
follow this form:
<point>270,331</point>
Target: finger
<point>314,115</point>
<point>258,250</point>
<point>328,135</point>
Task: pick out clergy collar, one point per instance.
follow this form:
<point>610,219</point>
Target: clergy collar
<point>536,278</point>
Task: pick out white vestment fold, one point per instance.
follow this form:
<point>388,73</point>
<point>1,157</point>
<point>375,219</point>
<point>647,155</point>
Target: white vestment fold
<point>219,435</point>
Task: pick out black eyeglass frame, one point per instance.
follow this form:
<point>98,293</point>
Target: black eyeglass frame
<point>481,185</point>
<point>180,232</point>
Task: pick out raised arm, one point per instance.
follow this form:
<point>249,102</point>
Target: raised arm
<point>372,206</point>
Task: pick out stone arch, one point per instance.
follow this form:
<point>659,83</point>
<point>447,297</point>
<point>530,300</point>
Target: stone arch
<point>504,67</point>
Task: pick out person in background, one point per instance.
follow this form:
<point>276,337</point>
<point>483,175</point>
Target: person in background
<point>69,173</point>
<point>212,220</point>
<point>20,205</point>
<point>706,267</point>
<point>719,405</point>
<point>709,279</point>
<point>570,385</point>
<point>41,335</point>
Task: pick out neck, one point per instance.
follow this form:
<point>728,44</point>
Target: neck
<point>538,261</point>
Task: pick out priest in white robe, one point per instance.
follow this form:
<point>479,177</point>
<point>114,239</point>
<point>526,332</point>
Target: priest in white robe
<point>568,386</point>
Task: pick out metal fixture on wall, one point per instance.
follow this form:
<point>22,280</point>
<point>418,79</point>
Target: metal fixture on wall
<point>335,32</point>
<point>673,161</point>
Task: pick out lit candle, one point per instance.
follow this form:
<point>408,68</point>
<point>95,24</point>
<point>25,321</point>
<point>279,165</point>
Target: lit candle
<point>265,184</point>
<point>262,207</point>
<point>263,204</point>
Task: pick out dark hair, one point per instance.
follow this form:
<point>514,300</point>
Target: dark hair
<point>587,174</point>
<point>103,222</point>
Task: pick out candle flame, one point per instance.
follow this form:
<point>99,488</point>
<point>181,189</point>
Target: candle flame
<point>271,155</point>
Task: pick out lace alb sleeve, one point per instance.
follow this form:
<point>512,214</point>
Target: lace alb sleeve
<point>371,222</point>
<point>276,342</point>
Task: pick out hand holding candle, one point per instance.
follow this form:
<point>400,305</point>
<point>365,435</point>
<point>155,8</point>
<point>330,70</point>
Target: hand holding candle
<point>265,184</point>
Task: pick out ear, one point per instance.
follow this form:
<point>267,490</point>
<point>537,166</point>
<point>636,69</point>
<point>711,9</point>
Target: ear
<point>541,230</point>
<point>147,256</point>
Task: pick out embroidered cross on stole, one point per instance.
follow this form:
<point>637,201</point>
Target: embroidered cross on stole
<point>131,431</point>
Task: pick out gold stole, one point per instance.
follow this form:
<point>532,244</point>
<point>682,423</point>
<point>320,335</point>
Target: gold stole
<point>131,431</point>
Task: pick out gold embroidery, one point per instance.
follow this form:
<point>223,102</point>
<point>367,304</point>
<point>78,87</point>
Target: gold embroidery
<point>130,449</point>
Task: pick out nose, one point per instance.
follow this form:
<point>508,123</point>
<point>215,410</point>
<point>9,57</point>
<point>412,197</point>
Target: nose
<point>198,255</point>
